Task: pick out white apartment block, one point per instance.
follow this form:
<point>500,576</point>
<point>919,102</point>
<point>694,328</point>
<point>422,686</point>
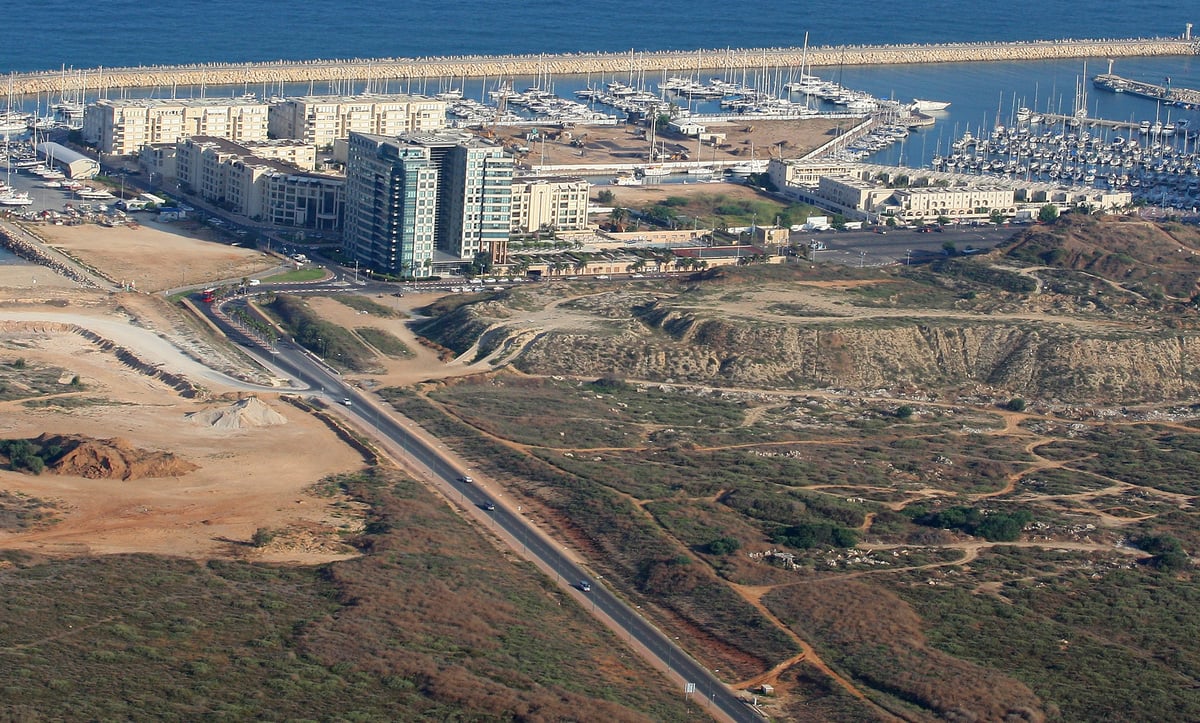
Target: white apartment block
<point>928,203</point>
<point>122,127</point>
<point>320,120</point>
<point>540,203</point>
<point>805,172</point>
<point>234,178</point>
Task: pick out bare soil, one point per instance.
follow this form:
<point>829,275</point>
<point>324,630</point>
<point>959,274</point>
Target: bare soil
<point>155,256</point>
<point>247,477</point>
<point>624,144</point>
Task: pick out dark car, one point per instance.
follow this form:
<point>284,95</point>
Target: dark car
<point>489,506</point>
<point>584,586</point>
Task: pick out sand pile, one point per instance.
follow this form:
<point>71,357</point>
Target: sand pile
<point>248,412</point>
<point>81,456</point>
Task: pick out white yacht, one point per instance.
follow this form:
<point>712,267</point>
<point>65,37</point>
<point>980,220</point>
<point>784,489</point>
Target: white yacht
<point>929,106</point>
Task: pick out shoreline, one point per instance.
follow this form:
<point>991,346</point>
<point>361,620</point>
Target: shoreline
<point>367,69</point>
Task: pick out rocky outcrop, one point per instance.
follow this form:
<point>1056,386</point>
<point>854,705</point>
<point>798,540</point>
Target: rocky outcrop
<point>1032,359</point>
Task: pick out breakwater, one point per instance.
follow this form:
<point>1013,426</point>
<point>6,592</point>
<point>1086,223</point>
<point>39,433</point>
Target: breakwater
<point>507,66</point>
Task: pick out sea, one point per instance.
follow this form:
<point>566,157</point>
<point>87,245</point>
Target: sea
<point>63,35</point>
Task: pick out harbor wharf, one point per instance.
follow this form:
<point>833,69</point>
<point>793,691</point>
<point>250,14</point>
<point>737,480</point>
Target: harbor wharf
<point>1165,93</point>
<point>508,66</point>
<point>1059,118</point>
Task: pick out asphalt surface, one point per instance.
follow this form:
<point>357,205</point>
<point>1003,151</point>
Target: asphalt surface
<point>303,366</point>
<point>900,246</point>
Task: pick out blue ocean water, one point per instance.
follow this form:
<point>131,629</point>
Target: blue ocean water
<point>50,34</point>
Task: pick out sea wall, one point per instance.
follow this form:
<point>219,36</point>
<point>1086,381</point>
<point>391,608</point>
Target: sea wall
<point>359,69</point>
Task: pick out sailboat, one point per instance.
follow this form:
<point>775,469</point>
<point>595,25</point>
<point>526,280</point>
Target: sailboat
<point>749,167</point>
<point>652,169</point>
<point>9,196</point>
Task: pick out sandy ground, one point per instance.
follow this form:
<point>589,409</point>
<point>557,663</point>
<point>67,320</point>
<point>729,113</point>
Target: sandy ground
<point>627,144</point>
<point>248,478</point>
<point>156,256</point>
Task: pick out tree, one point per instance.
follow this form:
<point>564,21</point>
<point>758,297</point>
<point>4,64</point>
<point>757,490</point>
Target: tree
<point>904,412</point>
<point>606,196</point>
<point>997,216</point>
<point>1048,213</point>
<point>619,218</point>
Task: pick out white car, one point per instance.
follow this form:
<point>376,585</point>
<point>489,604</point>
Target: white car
<point>254,282</point>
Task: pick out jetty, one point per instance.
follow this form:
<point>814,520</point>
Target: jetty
<point>378,71</point>
<point>1183,97</point>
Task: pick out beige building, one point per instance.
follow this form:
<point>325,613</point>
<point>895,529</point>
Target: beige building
<point>320,120</point>
<point>545,202</point>
<point>921,204</point>
<point>803,172</point>
<point>122,127</point>
<point>852,193</point>
<point>233,177</point>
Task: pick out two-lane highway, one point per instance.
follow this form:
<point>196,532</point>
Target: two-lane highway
<point>296,362</point>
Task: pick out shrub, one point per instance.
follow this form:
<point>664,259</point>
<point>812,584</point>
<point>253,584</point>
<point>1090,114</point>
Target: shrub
<point>723,546</point>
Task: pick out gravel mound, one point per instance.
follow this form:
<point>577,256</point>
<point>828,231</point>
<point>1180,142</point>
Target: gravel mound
<point>248,412</point>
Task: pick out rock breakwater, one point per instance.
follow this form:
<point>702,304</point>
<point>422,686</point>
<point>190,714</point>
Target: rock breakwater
<point>378,69</point>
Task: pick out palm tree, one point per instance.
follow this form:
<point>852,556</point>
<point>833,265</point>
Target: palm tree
<point>619,217</point>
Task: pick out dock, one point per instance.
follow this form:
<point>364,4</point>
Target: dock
<point>1182,97</point>
<point>1056,118</point>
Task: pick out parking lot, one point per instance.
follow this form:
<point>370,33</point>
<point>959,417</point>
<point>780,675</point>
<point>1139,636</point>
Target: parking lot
<point>868,248</point>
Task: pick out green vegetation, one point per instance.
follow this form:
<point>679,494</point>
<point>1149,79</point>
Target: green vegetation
<point>993,526</point>
<point>623,542</point>
<point>333,343</point>
<point>22,512</point>
<point>385,342</point>
<point>362,303</point>
<point>308,273</point>
<point>28,455</point>
<point>428,625</point>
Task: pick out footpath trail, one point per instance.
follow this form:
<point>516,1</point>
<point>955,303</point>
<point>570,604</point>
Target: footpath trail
<point>753,595</point>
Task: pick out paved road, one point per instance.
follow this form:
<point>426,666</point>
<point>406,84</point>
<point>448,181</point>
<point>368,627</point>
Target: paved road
<point>303,366</point>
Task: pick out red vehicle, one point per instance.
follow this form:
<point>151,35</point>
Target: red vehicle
<point>208,295</point>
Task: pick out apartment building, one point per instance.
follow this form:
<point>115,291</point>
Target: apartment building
<point>549,202</point>
<point>320,120</point>
<point>391,205</point>
<point>463,181</point>
<point>123,126</point>
<point>267,189</point>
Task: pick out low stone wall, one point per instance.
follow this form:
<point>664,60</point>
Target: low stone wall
<point>340,71</point>
<point>30,252</point>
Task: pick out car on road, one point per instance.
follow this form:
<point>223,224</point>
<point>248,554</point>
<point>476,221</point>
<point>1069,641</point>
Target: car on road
<point>466,479</point>
<point>489,506</point>
<point>584,586</point>
<point>254,282</point>
<point>348,402</point>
